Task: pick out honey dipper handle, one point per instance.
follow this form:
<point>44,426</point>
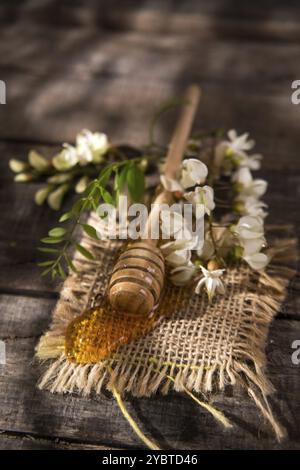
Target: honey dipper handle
<point>182,131</point>
<point>174,156</point>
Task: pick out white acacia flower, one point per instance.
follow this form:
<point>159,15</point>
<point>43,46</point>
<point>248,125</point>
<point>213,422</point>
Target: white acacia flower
<point>178,252</point>
<point>251,238</point>
<point>91,146</point>
<point>252,246</point>
<point>235,146</point>
<point>253,162</point>
<point>66,158</point>
<point>251,253</point>
<point>202,195</point>
<point>249,227</point>
<point>192,172</point>
<point>256,188</point>
<point>251,206</point>
<point>249,187</point>
<point>212,282</point>
<point>174,225</point>
<point>242,176</point>
<point>181,275</point>
<point>190,244</point>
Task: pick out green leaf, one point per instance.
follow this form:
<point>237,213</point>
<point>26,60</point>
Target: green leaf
<point>44,273</point>
<point>70,263</point>
<point>52,240</point>
<point>120,179</point>
<point>90,187</point>
<point>61,272</point>
<point>45,263</point>
<point>107,197</point>
<point>66,216</point>
<point>48,250</point>
<point>136,182</point>
<point>84,251</point>
<point>77,207</point>
<point>105,175</point>
<point>53,273</point>
<point>90,231</point>
<point>57,232</point>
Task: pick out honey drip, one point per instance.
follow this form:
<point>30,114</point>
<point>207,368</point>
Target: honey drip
<point>98,332</point>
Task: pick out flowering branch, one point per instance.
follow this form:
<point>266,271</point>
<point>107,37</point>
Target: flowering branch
<point>236,235</point>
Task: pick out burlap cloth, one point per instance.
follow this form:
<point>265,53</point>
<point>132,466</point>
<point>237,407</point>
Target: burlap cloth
<point>203,347</point>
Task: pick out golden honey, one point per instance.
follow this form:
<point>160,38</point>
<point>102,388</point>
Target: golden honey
<point>98,332</point>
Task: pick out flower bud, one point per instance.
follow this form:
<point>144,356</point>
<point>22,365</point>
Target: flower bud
<point>17,165</point>
<point>212,265</point>
<point>55,198</point>
<point>61,178</point>
<point>37,161</point>
<point>42,194</point>
<point>82,184</point>
<point>23,177</point>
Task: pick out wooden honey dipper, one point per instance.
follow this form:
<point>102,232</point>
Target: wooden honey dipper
<point>138,277</point>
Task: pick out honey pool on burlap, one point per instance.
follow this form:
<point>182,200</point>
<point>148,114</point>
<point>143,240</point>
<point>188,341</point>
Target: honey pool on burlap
<point>202,347</point>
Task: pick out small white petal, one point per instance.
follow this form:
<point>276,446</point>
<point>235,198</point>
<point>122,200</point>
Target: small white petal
<point>179,257</point>
<point>252,246</point>
<point>66,159</point>
<point>242,176</point>
<point>199,285</point>
<point>193,172</point>
<point>257,261</point>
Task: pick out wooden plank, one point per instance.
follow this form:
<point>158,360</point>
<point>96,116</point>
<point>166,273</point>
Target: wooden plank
<point>98,421</point>
<point>63,81</point>
<point>90,53</point>
<point>266,20</point>
<point>56,109</point>
<point>11,441</point>
<point>24,317</point>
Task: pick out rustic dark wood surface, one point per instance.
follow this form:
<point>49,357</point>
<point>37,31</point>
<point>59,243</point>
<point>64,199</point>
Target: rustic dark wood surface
<point>107,66</point>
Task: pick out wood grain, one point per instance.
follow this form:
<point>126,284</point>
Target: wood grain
<point>108,66</point>
<point>106,71</point>
<point>262,21</point>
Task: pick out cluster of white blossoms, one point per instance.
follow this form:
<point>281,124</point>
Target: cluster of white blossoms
<point>204,259</point>
<point>178,253</point>
<point>249,230</point>
<point>90,147</point>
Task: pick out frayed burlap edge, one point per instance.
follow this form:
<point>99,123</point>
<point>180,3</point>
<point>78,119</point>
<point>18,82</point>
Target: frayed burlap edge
<point>145,379</point>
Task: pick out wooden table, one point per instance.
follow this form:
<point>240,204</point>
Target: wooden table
<point>107,66</point>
